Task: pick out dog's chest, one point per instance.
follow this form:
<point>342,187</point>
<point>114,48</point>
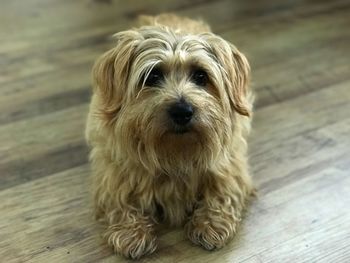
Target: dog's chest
<point>175,197</point>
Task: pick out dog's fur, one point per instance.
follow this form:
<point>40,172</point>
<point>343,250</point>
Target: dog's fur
<point>144,172</point>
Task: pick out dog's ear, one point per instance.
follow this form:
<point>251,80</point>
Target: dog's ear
<point>236,72</point>
<point>111,71</point>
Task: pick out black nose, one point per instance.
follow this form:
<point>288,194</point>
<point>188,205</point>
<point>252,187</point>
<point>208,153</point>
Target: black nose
<point>181,112</point>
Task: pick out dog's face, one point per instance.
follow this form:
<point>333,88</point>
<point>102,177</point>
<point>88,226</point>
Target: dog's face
<point>169,99</point>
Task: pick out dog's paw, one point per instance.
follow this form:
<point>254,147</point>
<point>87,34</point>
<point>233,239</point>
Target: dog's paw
<point>208,235</point>
<point>132,242</point>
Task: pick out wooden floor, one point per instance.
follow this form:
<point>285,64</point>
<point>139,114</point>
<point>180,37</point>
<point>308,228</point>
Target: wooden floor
<point>300,147</point>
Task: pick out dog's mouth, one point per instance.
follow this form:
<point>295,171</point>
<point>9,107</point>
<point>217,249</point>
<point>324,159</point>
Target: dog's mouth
<point>181,129</point>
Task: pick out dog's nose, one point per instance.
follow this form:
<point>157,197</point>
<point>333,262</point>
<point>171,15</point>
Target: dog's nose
<point>181,112</point>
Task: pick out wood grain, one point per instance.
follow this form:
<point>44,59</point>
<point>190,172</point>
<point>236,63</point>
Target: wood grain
<point>299,148</point>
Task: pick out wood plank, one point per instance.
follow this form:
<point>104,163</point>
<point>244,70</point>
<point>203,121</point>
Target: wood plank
<point>43,145</point>
<point>299,135</point>
<point>42,133</point>
<point>59,200</point>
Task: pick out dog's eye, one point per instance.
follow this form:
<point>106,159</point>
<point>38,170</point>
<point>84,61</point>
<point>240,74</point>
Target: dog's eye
<point>200,77</point>
<point>154,77</point>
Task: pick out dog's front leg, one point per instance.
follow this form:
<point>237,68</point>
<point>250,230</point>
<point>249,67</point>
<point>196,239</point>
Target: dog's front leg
<point>130,233</point>
<point>123,200</point>
<point>218,213</point>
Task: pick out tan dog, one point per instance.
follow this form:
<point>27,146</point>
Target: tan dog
<point>167,126</point>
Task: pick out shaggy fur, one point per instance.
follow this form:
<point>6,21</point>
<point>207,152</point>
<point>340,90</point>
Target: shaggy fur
<point>144,172</point>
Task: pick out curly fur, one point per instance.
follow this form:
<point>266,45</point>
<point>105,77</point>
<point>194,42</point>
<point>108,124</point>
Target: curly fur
<point>139,166</point>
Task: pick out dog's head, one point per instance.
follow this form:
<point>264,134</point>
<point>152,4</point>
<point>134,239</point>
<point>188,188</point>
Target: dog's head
<point>171,99</point>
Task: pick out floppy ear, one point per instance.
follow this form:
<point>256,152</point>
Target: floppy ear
<point>236,73</point>
<point>111,71</point>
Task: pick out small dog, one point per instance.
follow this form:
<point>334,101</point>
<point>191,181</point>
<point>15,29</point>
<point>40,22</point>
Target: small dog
<point>167,127</point>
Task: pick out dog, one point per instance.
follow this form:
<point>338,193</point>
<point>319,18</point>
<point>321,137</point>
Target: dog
<point>167,127</point>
